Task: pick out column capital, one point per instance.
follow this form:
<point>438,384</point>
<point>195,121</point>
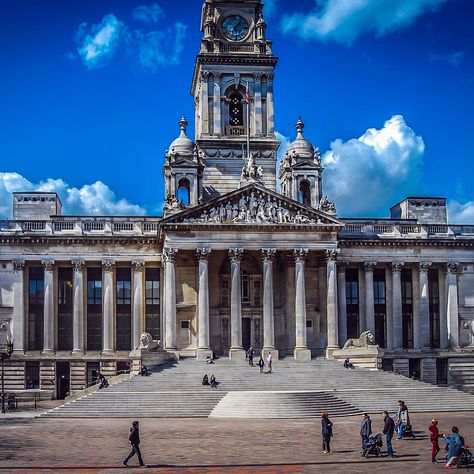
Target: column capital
<point>77,264</point>
<point>452,267</point>
<point>269,254</point>
<point>138,265</point>
<point>203,254</point>
<point>236,254</point>
<point>108,264</point>
<point>48,264</point>
<point>169,254</point>
<point>424,267</point>
<point>300,254</point>
<point>257,77</point>
<point>217,75</point>
<point>331,255</point>
<point>270,77</point>
<point>18,264</point>
<point>397,266</point>
<point>369,266</point>
<point>205,74</point>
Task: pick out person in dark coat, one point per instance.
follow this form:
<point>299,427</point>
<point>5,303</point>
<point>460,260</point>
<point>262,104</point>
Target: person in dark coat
<point>326,425</point>
<point>261,364</point>
<point>250,356</point>
<point>388,428</point>
<point>134,439</point>
<point>365,428</point>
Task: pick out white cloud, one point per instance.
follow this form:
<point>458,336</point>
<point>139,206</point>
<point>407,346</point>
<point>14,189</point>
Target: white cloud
<point>148,13</point>
<point>454,59</point>
<point>460,213</point>
<point>345,20</point>
<point>100,42</point>
<point>371,173</point>
<point>95,199</point>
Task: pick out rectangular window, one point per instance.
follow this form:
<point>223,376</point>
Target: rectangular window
<point>407,308</point>
<point>123,335</point>
<point>32,375</point>
<point>65,304</point>
<point>433,291</point>
<point>94,309</point>
<point>35,308</point>
<point>152,302</point>
<point>352,302</point>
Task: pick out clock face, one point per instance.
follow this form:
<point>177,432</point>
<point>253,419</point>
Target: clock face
<point>235,27</point>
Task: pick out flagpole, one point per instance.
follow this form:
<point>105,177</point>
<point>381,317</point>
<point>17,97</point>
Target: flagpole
<point>247,99</point>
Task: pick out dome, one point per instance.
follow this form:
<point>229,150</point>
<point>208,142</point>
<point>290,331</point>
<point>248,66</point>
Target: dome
<point>300,148</point>
<point>183,144</point>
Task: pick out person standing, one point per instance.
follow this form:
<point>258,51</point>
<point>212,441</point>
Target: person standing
<point>434,435</point>
<point>365,428</point>
<point>269,362</point>
<point>261,364</point>
<point>326,431</point>
<point>403,418</point>
<point>388,427</point>
<point>134,439</point>
<point>250,356</point>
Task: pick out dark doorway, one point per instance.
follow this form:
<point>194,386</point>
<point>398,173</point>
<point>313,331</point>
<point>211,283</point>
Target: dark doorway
<point>414,366</point>
<point>442,371</point>
<point>246,342</point>
<point>62,380</point>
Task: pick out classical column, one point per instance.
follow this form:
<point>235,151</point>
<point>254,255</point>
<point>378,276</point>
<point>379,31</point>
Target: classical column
<point>369,296</point>
<point>452,304</point>
<point>331,306</point>
<point>204,348</point>
<point>170,300</point>
<point>397,331</point>
<point>236,352</point>
<point>270,112</point>
<point>301,350</point>
<point>205,102</point>
<point>258,116</point>
<point>49,312</point>
<point>108,306</point>
<point>217,104</point>
<point>425,335</point>
<point>341,301</point>
<point>443,320</point>
<point>138,311</point>
<point>268,317</point>
<point>18,321</point>
<point>78,314</point>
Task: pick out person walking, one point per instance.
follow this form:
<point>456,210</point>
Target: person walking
<point>365,428</point>
<point>250,356</point>
<point>326,431</point>
<point>455,443</point>
<point>134,439</point>
<point>388,428</point>
<point>434,435</point>
<point>261,364</point>
<point>269,362</point>
<point>403,418</point>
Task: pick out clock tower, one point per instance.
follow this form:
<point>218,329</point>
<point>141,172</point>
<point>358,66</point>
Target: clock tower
<point>233,95</point>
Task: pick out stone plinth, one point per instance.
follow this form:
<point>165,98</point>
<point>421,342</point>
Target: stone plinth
<point>151,358</point>
<point>237,355</point>
<point>202,354</point>
<point>302,354</point>
<point>265,352</point>
<point>360,356</point>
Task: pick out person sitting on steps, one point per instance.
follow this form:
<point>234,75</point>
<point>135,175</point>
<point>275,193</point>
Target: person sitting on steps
<point>348,364</point>
<point>213,381</point>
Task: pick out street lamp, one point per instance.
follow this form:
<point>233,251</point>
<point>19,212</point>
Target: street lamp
<point>6,354</point>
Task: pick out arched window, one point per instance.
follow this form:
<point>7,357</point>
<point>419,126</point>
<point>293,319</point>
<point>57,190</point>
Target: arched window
<point>236,110</point>
<point>184,191</point>
<point>304,193</point>
<point>245,285</point>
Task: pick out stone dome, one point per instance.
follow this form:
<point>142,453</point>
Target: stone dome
<point>183,144</point>
<point>300,147</point>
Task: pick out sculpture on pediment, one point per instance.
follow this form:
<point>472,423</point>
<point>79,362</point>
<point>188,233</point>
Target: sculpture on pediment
<point>327,206</point>
<point>172,202</point>
<point>251,173</point>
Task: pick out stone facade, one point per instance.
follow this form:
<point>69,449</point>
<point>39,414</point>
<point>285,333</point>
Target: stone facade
<point>234,263</point>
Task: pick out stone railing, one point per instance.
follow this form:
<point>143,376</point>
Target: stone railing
<point>234,131</point>
<point>388,228</point>
<point>71,226</point>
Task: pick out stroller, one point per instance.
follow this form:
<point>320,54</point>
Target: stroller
<point>408,431</point>
<point>372,446</point>
<point>465,456</point>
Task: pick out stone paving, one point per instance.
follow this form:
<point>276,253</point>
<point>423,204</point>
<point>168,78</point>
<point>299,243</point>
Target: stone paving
<point>210,446</point>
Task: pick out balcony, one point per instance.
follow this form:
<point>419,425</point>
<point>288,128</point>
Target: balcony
<point>232,131</point>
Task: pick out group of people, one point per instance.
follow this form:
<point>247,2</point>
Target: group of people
<point>210,381</point>
<point>455,445</point>
<point>261,362</point>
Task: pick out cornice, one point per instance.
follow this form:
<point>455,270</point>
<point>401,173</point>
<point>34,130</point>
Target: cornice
<point>83,240</point>
<point>406,243</point>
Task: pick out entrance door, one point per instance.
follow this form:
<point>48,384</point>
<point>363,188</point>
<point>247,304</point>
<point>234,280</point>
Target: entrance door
<point>62,380</point>
<point>246,337</point>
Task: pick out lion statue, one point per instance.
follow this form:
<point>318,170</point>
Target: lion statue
<point>147,342</point>
<point>363,342</point>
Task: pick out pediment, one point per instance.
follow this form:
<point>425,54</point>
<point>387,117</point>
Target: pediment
<point>184,162</point>
<point>306,165</point>
<point>253,205</point>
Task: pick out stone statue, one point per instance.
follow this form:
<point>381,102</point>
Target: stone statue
<point>147,343</point>
<point>5,333</point>
<point>172,202</point>
<point>251,173</point>
<point>365,339</point>
<point>327,206</point>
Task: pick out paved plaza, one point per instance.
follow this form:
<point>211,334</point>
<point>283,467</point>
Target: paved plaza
<point>32,445</point>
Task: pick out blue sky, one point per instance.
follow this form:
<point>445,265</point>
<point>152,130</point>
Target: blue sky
<point>91,93</point>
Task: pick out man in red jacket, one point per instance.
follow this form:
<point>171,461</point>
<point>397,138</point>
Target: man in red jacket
<point>434,435</point>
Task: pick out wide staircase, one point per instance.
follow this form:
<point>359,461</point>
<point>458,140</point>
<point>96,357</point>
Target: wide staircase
<point>292,390</point>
